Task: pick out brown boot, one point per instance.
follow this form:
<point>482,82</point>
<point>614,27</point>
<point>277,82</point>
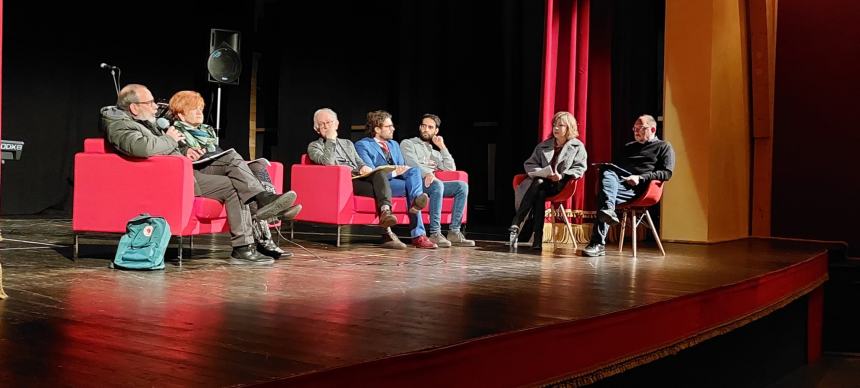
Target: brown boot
<point>390,240</point>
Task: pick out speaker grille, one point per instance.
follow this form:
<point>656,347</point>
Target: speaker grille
<point>224,65</point>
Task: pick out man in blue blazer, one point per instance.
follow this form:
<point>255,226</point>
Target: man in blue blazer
<point>380,149</point>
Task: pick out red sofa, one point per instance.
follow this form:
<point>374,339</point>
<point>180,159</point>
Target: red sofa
<point>325,193</point>
<point>110,189</point>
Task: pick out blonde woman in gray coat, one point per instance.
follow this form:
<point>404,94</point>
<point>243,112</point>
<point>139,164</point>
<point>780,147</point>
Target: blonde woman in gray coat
<point>552,164</point>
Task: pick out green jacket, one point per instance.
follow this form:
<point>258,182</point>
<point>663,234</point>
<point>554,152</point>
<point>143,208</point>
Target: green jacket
<point>203,136</point>
<point>134,138</point>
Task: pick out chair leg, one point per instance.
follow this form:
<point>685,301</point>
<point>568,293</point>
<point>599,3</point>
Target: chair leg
<point>75,250</point>
<point>633,225</point>
<point>338,237</point>
<point>191,245</point>
<point>654,230</point>
<point>568,227</point>
<point>180,251</point>
<point>623,227</point>
<point>292,229</point>
<point>554,215</point>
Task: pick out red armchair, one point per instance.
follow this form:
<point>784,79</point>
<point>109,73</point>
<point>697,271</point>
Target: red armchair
<point>325,193</point>
<point>110,189</point>
<point>640,204</point>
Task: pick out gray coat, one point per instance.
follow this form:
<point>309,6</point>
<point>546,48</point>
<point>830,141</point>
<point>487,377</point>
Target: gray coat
<point>571,162</point>
<point>335,152</point>
<point>133,138</point>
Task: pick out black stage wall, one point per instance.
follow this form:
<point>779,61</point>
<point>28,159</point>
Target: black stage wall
<point>53,86</point>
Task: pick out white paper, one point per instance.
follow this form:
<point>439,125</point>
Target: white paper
<point>542,173</point>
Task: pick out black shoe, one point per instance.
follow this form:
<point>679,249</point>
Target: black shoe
<point>537,246</point>
<point>269,248</point>
<point>608,216</point>
<point>593,250</point>
<point>248,255</point>
<point>270,205</point>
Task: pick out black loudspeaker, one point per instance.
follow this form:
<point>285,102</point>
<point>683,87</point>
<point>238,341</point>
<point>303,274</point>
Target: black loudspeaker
<point>224,63</point>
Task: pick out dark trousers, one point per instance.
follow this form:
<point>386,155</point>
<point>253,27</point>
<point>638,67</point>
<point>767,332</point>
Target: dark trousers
<point>374,185</point>
<point>535,200</point>
<point>229,180</point>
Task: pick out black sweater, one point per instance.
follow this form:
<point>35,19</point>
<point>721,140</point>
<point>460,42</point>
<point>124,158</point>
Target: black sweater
<point>652,160</point>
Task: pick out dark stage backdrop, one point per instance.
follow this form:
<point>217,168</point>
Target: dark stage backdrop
<point>814,141</point>
<point>474,63</point>
<point>53,87</point>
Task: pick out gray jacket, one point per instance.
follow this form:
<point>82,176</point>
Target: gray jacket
<point>571,161</point>
<point>419,153</point>
<point>335,152</point>
<point>132,137</point>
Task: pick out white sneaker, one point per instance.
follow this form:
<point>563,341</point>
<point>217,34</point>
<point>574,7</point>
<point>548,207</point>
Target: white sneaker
<point>440,240</point>
<point>457,238</point>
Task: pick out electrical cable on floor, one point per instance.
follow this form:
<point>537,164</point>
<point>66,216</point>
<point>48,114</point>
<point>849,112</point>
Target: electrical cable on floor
<point>432,259</point>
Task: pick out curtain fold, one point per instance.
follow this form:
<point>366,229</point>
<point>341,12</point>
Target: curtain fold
<point>565,70</point>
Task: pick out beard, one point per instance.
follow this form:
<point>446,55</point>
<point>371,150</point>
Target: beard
<point>426,138</point>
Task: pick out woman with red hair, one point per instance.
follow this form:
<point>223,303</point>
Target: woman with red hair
<point>186,108</point>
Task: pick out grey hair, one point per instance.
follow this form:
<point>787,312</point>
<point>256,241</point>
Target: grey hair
<point>648,119</point>
<point>128,95</point>
<point>320,111</point>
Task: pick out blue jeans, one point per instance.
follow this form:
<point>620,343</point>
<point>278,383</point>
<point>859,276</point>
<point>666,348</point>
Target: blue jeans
<point>439,189</point>
<point>612,191</point>
<point>411,185</point>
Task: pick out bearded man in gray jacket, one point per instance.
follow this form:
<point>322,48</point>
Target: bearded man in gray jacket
<point>419,153</point>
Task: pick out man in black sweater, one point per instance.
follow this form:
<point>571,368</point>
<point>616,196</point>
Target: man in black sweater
<point>648,158</point>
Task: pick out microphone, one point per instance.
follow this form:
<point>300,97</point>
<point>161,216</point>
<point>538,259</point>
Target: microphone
<point>106,66</point>
<point>162,124</point>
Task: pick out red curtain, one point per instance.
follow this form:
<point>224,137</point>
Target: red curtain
<point>565,69</point>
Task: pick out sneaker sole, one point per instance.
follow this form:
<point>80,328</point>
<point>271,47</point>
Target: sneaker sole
<point>420,203</point>
<point>236,261</point>
<point>292,212</point>
<point>277,206</point>
<point>392,245</point>
<point>468,244</point>
<point>603,217</point>
<point>586,254</point>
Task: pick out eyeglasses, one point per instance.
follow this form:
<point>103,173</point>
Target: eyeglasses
<point>388,126</point>
<point>150,102</point>
<point>640,128</point>
<point>326,124</point>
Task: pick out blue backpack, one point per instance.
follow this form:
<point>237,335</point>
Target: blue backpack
<point>143,245</point>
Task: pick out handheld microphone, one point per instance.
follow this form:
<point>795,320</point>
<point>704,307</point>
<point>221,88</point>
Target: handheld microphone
<point>108,67</point>
<point>162,124</point>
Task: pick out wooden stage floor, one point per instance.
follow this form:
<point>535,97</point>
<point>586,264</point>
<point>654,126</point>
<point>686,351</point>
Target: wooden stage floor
<point>208,323</point>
